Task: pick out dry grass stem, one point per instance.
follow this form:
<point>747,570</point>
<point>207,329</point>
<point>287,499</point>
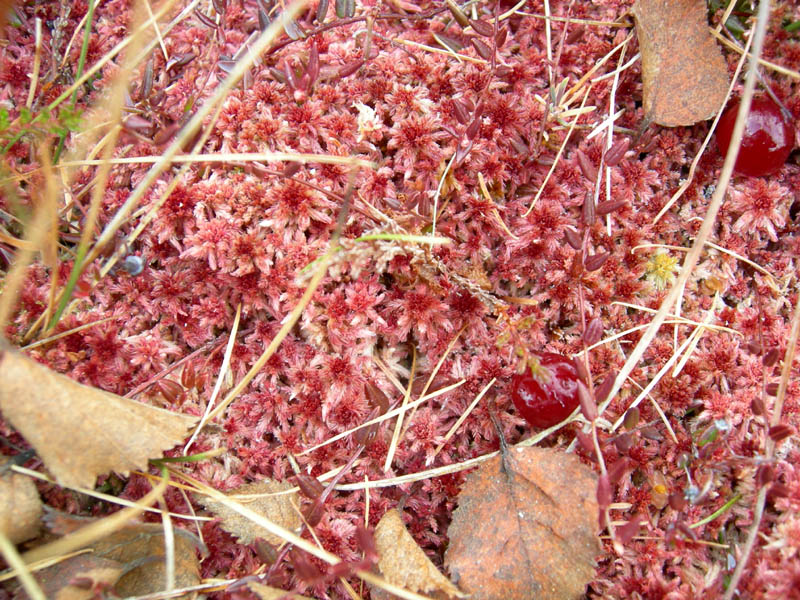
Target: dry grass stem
<point>20,569</point>
<point>36,236</point>
<point>67,333</point>
<point>460,57</point>
<point>107,497</point>
<point>224,157</point>
<point>387,464</point>
<point>463,417</point>
<point>592,22</point>
<point>572,93</point>
<point>761,61</point>
<point>226,361</point>
<point>95,530</point>
<point>433,375</point>
<point>37,61</point>
<point>388,415</point>
<point>438,194</point>
<point>169,546</point>
<point>558,155</point>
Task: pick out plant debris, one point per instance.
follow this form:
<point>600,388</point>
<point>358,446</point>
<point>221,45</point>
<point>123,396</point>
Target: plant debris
<point>81,432</point>
<point>274,504</point>
<point>140,549</point>
<point>265,592</point>
<point>411,200</point>
<point>131,561</point>
<point>403,563</point>
<point>20,507</point>
<point>684,74</point>
<point>525,527</point>
<point>78,577</point>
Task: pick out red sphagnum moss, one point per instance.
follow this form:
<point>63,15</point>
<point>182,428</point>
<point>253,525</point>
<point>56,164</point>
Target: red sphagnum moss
<point>241,233</point>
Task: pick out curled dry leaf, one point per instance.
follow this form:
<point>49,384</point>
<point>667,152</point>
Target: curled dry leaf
<point>131,561</point>
<point>525,527</point>
<point>684,74</point>
<point>83,568</point>
<point>62,523</point>
<point>265,592</point>
<point>78,431</point>
<point>274,505</point>
<point>20,507</point>
<point>404,564</point>
<point>140,550</point>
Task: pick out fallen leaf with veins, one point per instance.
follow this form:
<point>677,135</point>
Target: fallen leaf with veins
<point>525,527</point>
<point>684,74</point>
<point>274,505</point>
<point>78,431</point>
<point>404,564</point>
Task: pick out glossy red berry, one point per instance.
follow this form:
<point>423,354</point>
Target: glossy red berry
<point>546,393</point>
<point>767,141</point>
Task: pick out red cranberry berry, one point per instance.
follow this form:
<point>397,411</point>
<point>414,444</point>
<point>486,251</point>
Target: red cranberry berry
<point>767,140</point>
<point>546,393</point>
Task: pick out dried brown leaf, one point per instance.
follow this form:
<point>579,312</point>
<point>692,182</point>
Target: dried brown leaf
<point>277,508</point>
<point>525,527</point>
<point>684,74</point>
<point>61,523</point>
<point>140,549</point>
<point>78,431</point>
<point>131,560</point>
<point>93,570</point>
<point>20,507</point>
<point>265,592</point>
<point>404,564</point>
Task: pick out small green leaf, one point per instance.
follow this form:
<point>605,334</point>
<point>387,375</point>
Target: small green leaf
<point>70,118</point>
<point>4,120</point>
<point>792,26</point>
<point>25,115</point>
<point>736,27</point>
<point>41,117</point>
<point>708,436</point>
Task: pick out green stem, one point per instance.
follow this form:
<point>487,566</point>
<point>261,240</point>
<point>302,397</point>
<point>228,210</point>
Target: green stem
<point>724,508</point>
<point>84,48</point>
<point>66,294</point>
<point>81,64</point>
<point>182,459</point>
<point>13,141</point>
